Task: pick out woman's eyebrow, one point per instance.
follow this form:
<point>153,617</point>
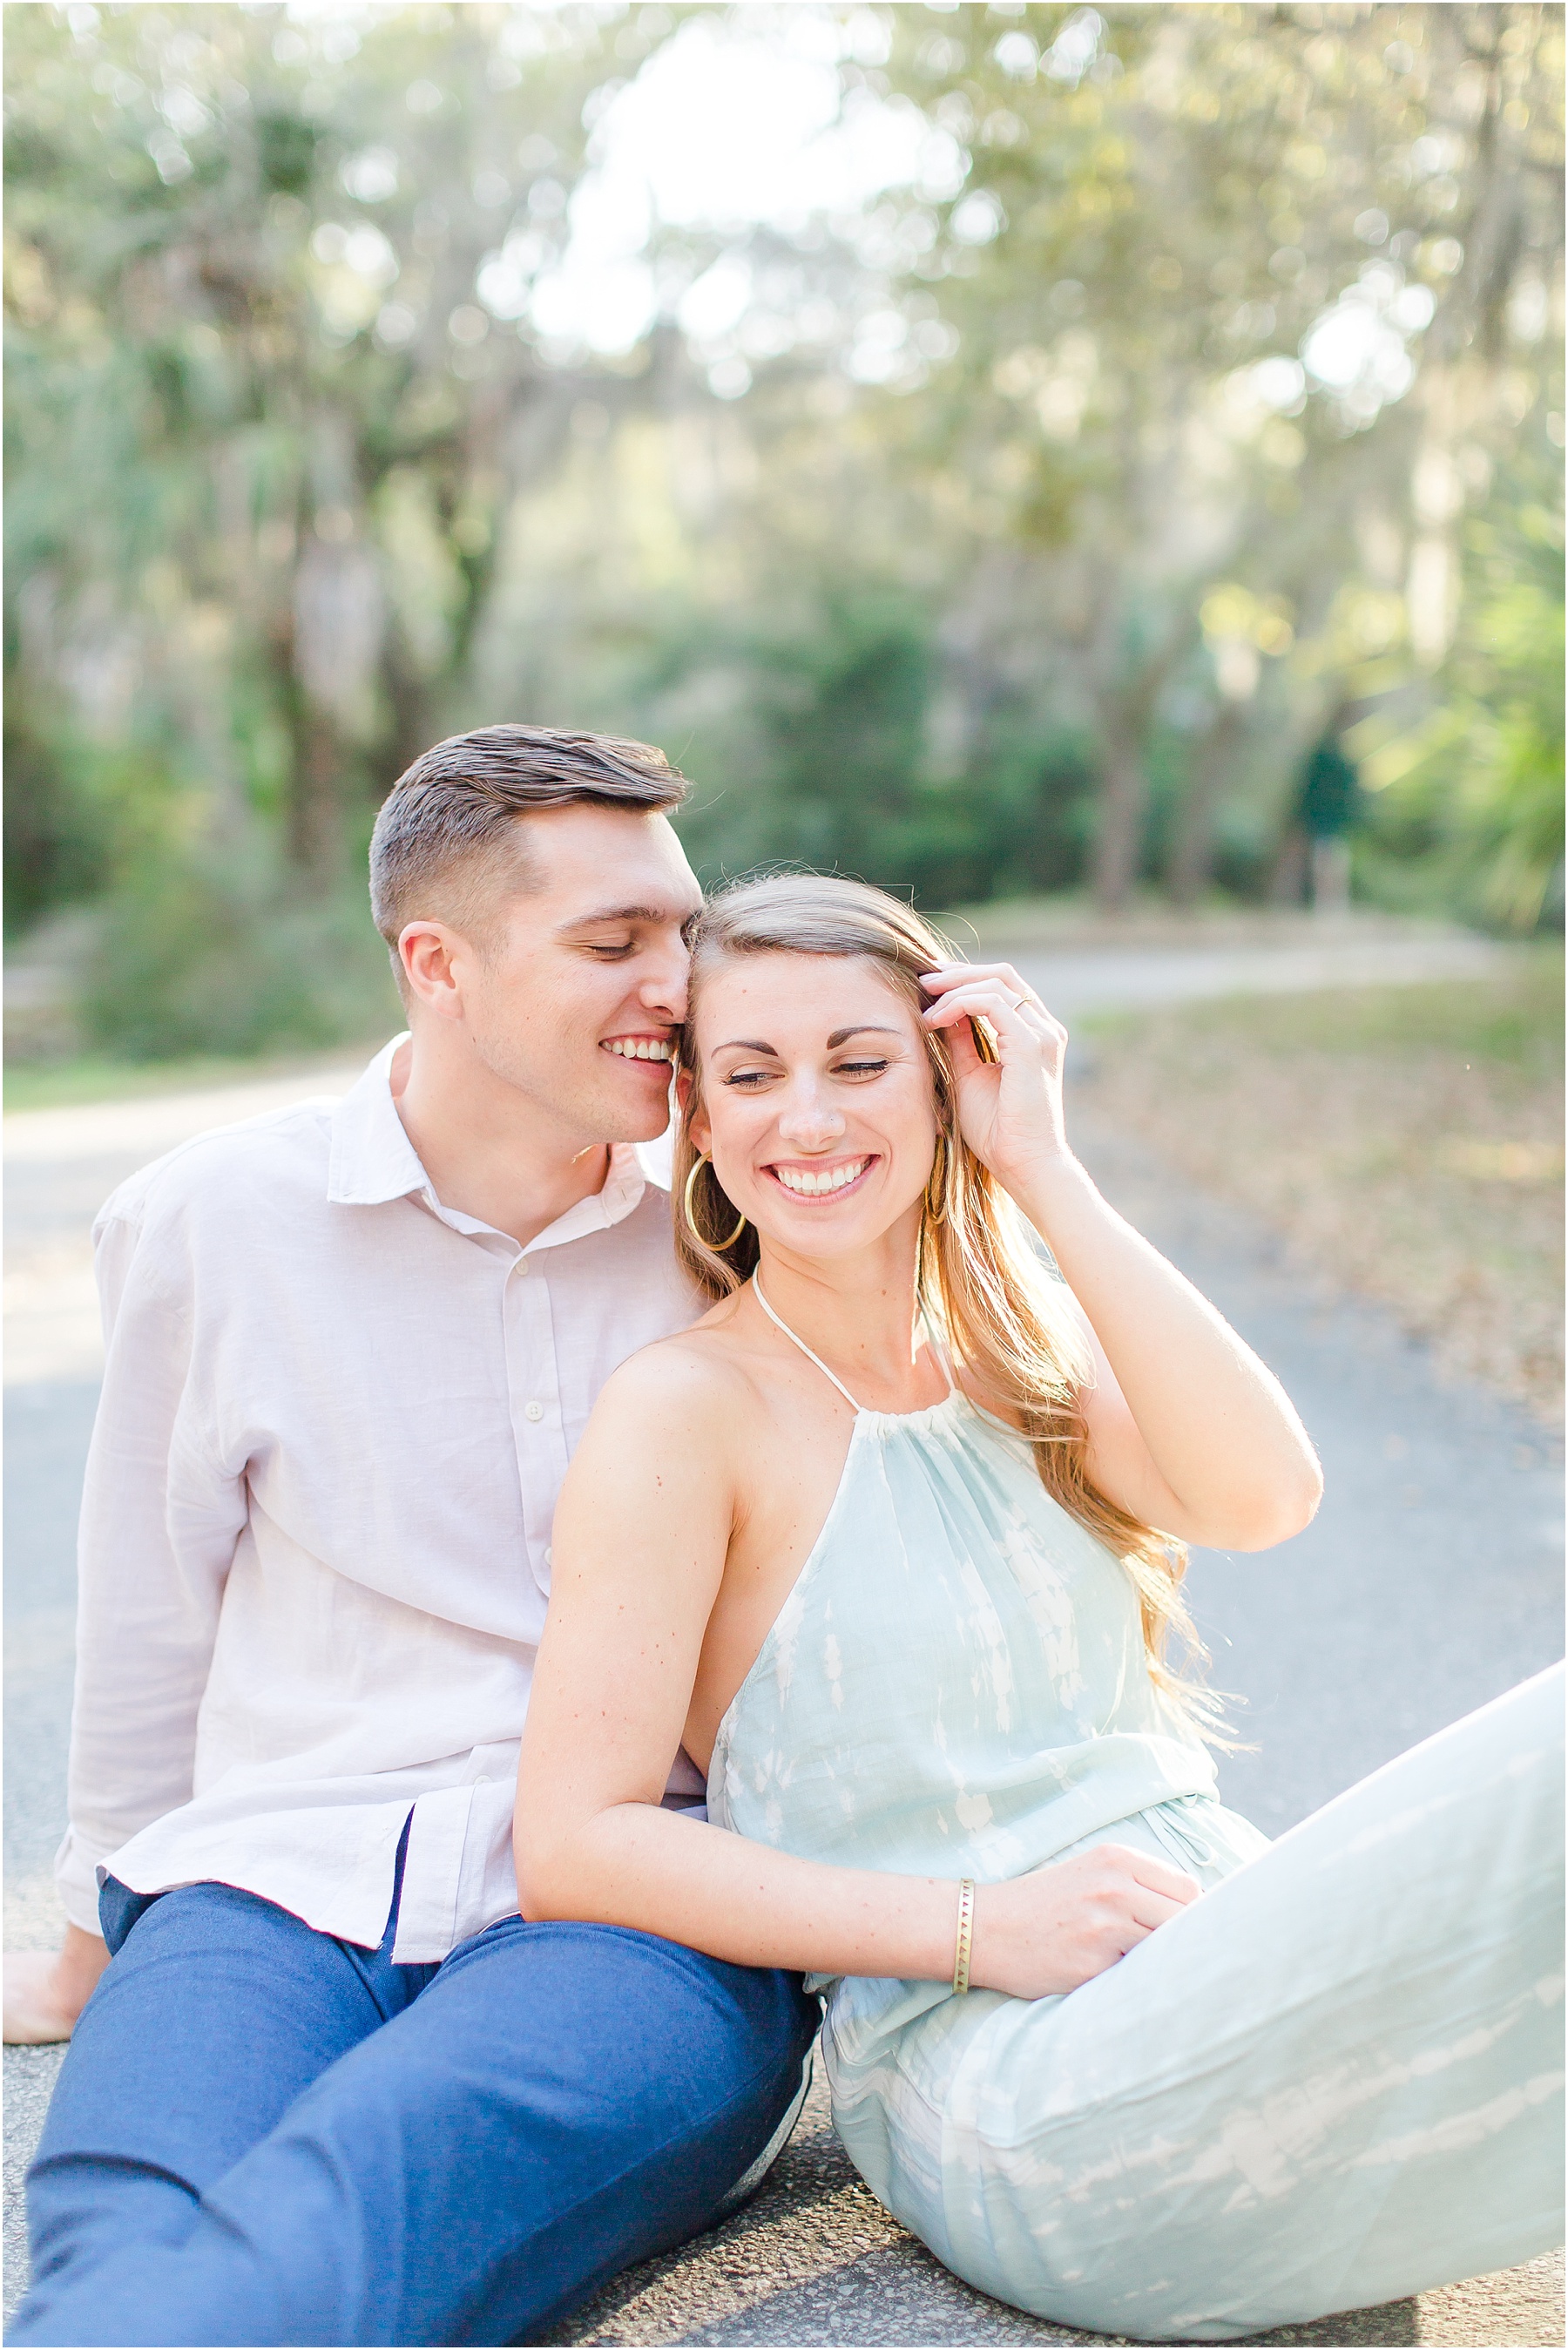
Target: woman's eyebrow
<point>839,1036</point>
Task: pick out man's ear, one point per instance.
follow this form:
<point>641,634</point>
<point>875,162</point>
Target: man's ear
<point>430,954</point>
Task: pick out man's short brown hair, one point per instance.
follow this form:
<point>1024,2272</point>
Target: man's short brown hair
<point>447,836</point>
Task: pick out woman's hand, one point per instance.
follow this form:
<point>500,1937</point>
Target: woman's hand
<point>1048,1932</point>
<point>1010,1109</point>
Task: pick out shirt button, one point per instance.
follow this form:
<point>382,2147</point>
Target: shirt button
<point>532,1411</point>
<point>521,1268</point>
<point>549,1554</point>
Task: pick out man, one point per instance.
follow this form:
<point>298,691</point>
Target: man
<point>1327,806</point>
<point>331,2088</point>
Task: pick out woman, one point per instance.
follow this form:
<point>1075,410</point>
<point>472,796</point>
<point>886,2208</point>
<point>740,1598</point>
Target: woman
<point>876,1541</point>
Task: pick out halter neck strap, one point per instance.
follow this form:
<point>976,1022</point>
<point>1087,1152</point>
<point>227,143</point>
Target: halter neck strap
<point>780,1324</point>
<point>796,1340</point>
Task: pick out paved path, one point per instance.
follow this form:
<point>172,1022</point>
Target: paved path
<point>1429,1583</point>
<point>1075,980</point>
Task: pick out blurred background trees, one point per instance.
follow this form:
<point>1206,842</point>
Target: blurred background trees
<point>1091,413</point>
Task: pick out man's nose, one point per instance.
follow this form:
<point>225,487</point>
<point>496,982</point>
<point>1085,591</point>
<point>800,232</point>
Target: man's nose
<point>663,989</point>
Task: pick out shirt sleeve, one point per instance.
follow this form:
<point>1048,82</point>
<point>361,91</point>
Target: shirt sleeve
<point>161,1517</point>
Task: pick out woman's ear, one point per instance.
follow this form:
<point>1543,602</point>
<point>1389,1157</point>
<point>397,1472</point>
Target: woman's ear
<point>698,1128</point>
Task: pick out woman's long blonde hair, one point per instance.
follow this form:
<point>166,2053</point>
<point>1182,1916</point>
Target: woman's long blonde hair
<point>979,1275</point>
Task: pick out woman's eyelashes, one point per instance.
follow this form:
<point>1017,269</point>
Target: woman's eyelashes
<point>753,1080</point>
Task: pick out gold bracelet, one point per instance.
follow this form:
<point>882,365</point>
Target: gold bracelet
<point>965,1936</point>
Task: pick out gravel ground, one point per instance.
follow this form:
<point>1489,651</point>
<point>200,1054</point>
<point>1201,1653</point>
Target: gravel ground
<point>815,2259</point>
<point>1407,1142</point>
<point>1429,1583</point>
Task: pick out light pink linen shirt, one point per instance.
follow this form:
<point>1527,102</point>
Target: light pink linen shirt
<point>315,1548</point>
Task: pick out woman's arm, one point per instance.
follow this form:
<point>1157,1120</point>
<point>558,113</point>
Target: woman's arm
<point>640,1538</point>
<point>1188,1428</point>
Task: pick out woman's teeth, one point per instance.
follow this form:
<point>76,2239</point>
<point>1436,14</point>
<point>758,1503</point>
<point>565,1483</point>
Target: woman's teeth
<point>831,1179</point>
<point>641,1049</point>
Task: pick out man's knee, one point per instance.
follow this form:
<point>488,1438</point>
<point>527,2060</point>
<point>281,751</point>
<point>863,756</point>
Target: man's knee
<point>612,2017</point>
<point>82,2211</point>
<point>560,2100</point>
<point>583,2060</point>
<point>216,2012</point>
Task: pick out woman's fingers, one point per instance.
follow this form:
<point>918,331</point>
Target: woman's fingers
<point>1178,1884</point>
<point>951,976</point>
<point>960,974</point>
<point>1026,1019</point>
<point>1063,1924</point>
<point>1148,1891</point>
<point>1145,1872</point>
<point>1150,1908</point>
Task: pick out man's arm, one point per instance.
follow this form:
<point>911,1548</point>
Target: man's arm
<point>161,1515</point>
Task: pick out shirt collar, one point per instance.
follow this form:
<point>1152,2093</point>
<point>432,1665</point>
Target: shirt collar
<point>373,1160</point>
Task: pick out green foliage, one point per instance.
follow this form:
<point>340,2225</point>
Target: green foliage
<point>232,251</point>
<point>846,770</point>
<point>1474,805</point>
<point>1003,575</point>
<point>206,955</point>
<point>55,851</point>
<point>1174,204</point>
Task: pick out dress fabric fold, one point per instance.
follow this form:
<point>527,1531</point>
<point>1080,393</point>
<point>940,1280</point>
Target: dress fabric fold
<point>1334,2080</point>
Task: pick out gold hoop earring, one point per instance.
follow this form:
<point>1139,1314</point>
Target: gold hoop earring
<point>936,1183</point>
<point>718,1247</point>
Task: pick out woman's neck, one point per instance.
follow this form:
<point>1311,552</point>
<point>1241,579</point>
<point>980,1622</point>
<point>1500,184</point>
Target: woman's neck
<point>859,1314</point>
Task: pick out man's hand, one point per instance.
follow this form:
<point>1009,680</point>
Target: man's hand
<point>45,1991</point>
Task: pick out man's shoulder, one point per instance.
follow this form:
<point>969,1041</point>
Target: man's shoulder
<point>279,1157</point>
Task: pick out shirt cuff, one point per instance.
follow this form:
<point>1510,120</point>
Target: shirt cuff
<point>75,1879</point>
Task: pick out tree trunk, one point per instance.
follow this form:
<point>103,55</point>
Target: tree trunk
<point>1127,701</point>
<point>1123,799</point>
<point>1192,850</point>
<point>312,815</point>
<point>315,800</point>
<point>408,702</point>
<point>1288,880</point>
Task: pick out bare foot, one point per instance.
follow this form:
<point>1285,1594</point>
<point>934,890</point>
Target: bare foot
<point>45,1991</point>
<point>33,2011</point>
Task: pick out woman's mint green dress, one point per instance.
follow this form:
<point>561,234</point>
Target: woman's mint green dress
<point>1334,2080</point>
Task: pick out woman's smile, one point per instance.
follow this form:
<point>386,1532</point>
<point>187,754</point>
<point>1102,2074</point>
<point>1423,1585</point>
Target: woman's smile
<point>831,1179</point>
<point>817,1089</point>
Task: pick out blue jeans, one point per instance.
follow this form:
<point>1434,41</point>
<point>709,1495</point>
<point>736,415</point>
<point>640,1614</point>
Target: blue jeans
<point>263,2135</point>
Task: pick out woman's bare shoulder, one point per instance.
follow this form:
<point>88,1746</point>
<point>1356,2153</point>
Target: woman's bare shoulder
<point>693,1378</point>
